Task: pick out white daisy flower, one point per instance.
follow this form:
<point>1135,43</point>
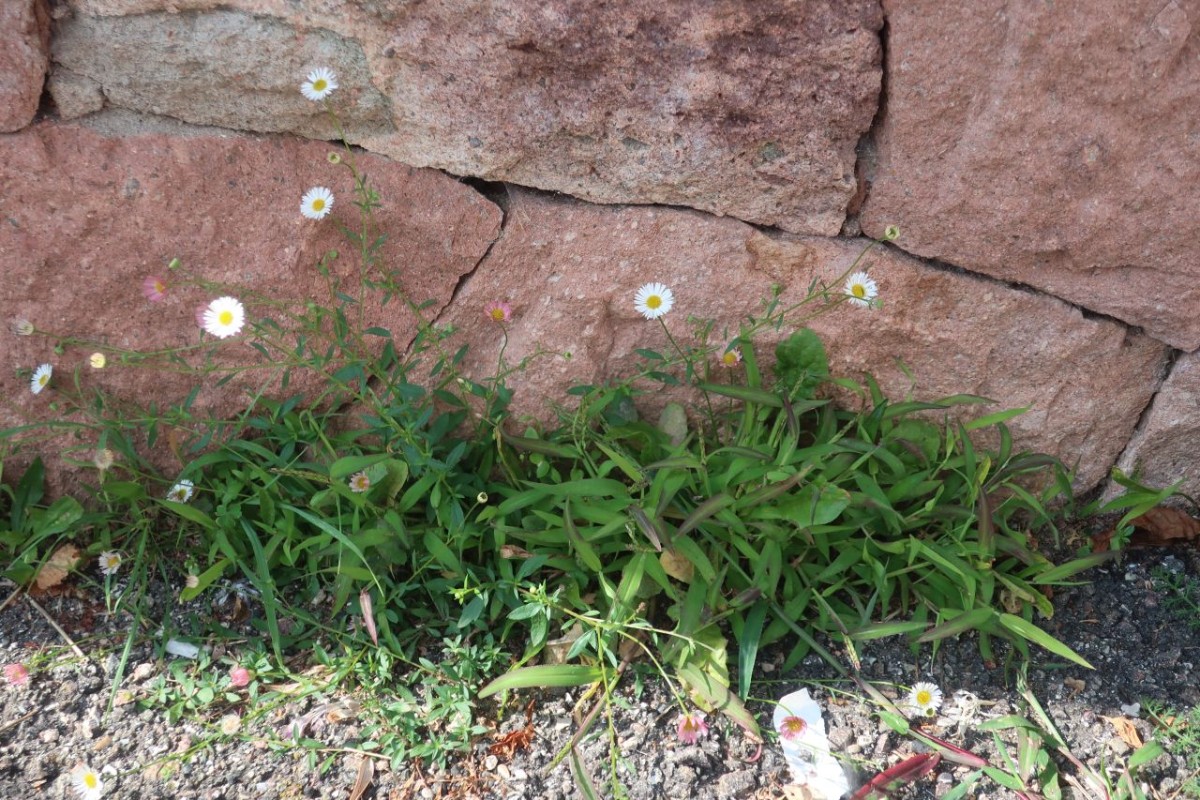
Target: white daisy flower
<point>653,300</point>
<point>110,562</point>
<point>320,84</point>
<point>86,782</point>
<point>41,377</point>
<point>861,289</point>
<point>316,202</point>
<point>925,698</point>
<point>360,482</point>
<point>224,317</point>
<point>182,491</point>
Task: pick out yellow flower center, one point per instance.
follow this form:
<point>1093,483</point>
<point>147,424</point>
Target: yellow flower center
<point>924,697</point>
<point>225,317</point>
<point>90,780</point>
<point>653,302</point>
<point>318,204</point>
<point>43,380</point>
<point>498,314</point>
<point>792,727</point>
<point>319,85</point>
<point>729,358</point>
<point>858,290</point>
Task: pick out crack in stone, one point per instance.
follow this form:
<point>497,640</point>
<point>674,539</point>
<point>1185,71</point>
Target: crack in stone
<point>1143,420</point>
<point>867,150</point>
<point>497,194</point>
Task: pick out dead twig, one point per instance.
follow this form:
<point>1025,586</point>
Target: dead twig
<point>57,627</point>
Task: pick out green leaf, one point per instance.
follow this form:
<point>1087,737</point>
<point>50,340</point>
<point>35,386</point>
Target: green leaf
<point>583,549</point>
<point>1005,780</point>
<point>705,510</point>
<point>62,514</point>
<point>744,393</point>
<point>881,630</point>
<point>801,363</point>
<point>344,467</point>
<point>1033,633</point>
<point>960,623</point>
<point>545,676</point>
<point>539,446</point>
<point>191,513</point>
<point>204,580</point>
<point>1145,754</point>
<point>752,630</point>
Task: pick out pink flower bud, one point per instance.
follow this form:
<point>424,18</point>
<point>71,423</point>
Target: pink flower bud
<point>240,677</point>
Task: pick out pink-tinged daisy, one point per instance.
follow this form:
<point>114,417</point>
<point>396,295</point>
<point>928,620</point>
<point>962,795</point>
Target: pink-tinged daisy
<point>316,203</point>
<point>154,288</point>
<point>498,311</point>
<point>861,289</point>
<point>41,378</point>
<point>224,317</point>
<point>653,300</point>
<point>731,357</point>
<point>691,728</point>
<point>320,84</point>
<point>798,717</point>
<point>16,674</point>
<point>110,562</point>
<point>360,482</point>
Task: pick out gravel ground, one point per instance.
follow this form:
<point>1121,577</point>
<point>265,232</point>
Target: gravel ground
<point>61,716</point>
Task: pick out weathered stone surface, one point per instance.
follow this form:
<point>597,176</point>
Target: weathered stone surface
<point>570,271</point>
<point>747,109</point>
<point>1163,450</point>
<point>224,68</point>
<point>1055,145</point>
<point>90,211</point>
<point>24,41</point>
<point>74,95</point>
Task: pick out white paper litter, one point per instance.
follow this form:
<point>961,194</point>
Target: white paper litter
<point>807,755</point>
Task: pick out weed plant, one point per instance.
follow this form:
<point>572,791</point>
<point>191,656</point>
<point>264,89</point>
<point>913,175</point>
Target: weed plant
<point>401,505</point>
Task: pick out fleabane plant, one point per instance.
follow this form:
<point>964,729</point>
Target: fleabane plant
<point>400,501</point>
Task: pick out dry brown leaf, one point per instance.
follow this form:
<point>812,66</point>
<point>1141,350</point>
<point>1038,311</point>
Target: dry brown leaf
<point>342,710</point>
<point>1160,526</point>
<point>677,565</point>
<point>1126,730</point>
<point>362,782</point>
<point>58,567</point>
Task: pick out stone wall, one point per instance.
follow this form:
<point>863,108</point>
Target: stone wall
<point>1038,160</point>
